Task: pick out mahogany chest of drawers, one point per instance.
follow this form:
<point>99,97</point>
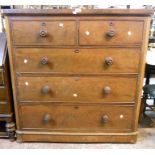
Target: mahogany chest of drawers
<point>77,76</point>
<point>7,126</point>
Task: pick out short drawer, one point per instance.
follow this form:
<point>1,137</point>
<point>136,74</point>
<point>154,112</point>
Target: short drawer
<point>110,32</point>
<point>91,118</point>
<point>44,32</point>
<point>49,60</point>
<point>88,89</point>
<point>3,93</point>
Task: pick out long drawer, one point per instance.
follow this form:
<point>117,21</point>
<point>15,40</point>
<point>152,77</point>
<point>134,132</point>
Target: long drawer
<point>3,93</point>
<point>88,89</point>
<point>84,117</point>
<point>49,60</point>
<point>44,32</point>
<point>110,32</point>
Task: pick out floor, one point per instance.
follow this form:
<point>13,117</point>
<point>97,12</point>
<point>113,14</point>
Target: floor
<point>146,140</point>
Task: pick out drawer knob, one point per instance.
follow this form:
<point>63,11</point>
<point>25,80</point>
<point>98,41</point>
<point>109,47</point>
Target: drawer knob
<point>111,33</point>
<point>108,61</point>
<point>104,119</point>
<point>43,33</point>
<point>107,90</point>
<point>46,118</point>
<point>45,89</point>
<point>77,51</point>
<point>44,60</point>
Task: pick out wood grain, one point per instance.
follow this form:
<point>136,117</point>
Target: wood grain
<point>77,89</point>
<point>77,60</point>
<point>126,32</point>
<point>58,32</point>
<point>3,93</point>
<point>41,12</point>
<point>75,137</point>
<point>142,70</point>
<point>87,118</point>
<point>1,77</point>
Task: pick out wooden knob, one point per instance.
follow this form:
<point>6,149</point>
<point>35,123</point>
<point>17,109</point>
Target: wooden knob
<point>44,60</point>
<point>107,90</point>
<point>45,89</point>
<point>43,33</point>
<point>111,33</point>
<point>108,61</point>
<point>77,51</point>
<point>104,119</point>
<point>46,118</point>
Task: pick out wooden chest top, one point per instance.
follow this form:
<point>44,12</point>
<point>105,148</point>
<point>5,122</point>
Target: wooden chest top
<point>32,12</point>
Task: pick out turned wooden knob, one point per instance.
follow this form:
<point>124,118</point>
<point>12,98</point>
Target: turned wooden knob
<point>46,118</point>
<point>76,50</point>
<point>45,89</point>
<point>111,33</point>
<point>108,61</point>
<point>104,119</point>
<point>43,33</point>
<point>107,90</point>
<point>44,60</point>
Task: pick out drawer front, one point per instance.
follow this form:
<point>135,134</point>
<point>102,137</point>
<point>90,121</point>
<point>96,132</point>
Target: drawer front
<point>88,89</point>
<point>76,117</point>
<point>3,93</point>
<point>4,108</point>
<point>1,77</point>
<point>107,60</point>
<point>44,32</point>
<point>110,32</point>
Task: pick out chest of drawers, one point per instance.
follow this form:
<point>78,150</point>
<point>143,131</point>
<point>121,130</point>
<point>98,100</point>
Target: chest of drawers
<point>77,77</point>
<point>7,126</point>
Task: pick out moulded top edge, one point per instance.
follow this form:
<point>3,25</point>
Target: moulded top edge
<point>34,12</point>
